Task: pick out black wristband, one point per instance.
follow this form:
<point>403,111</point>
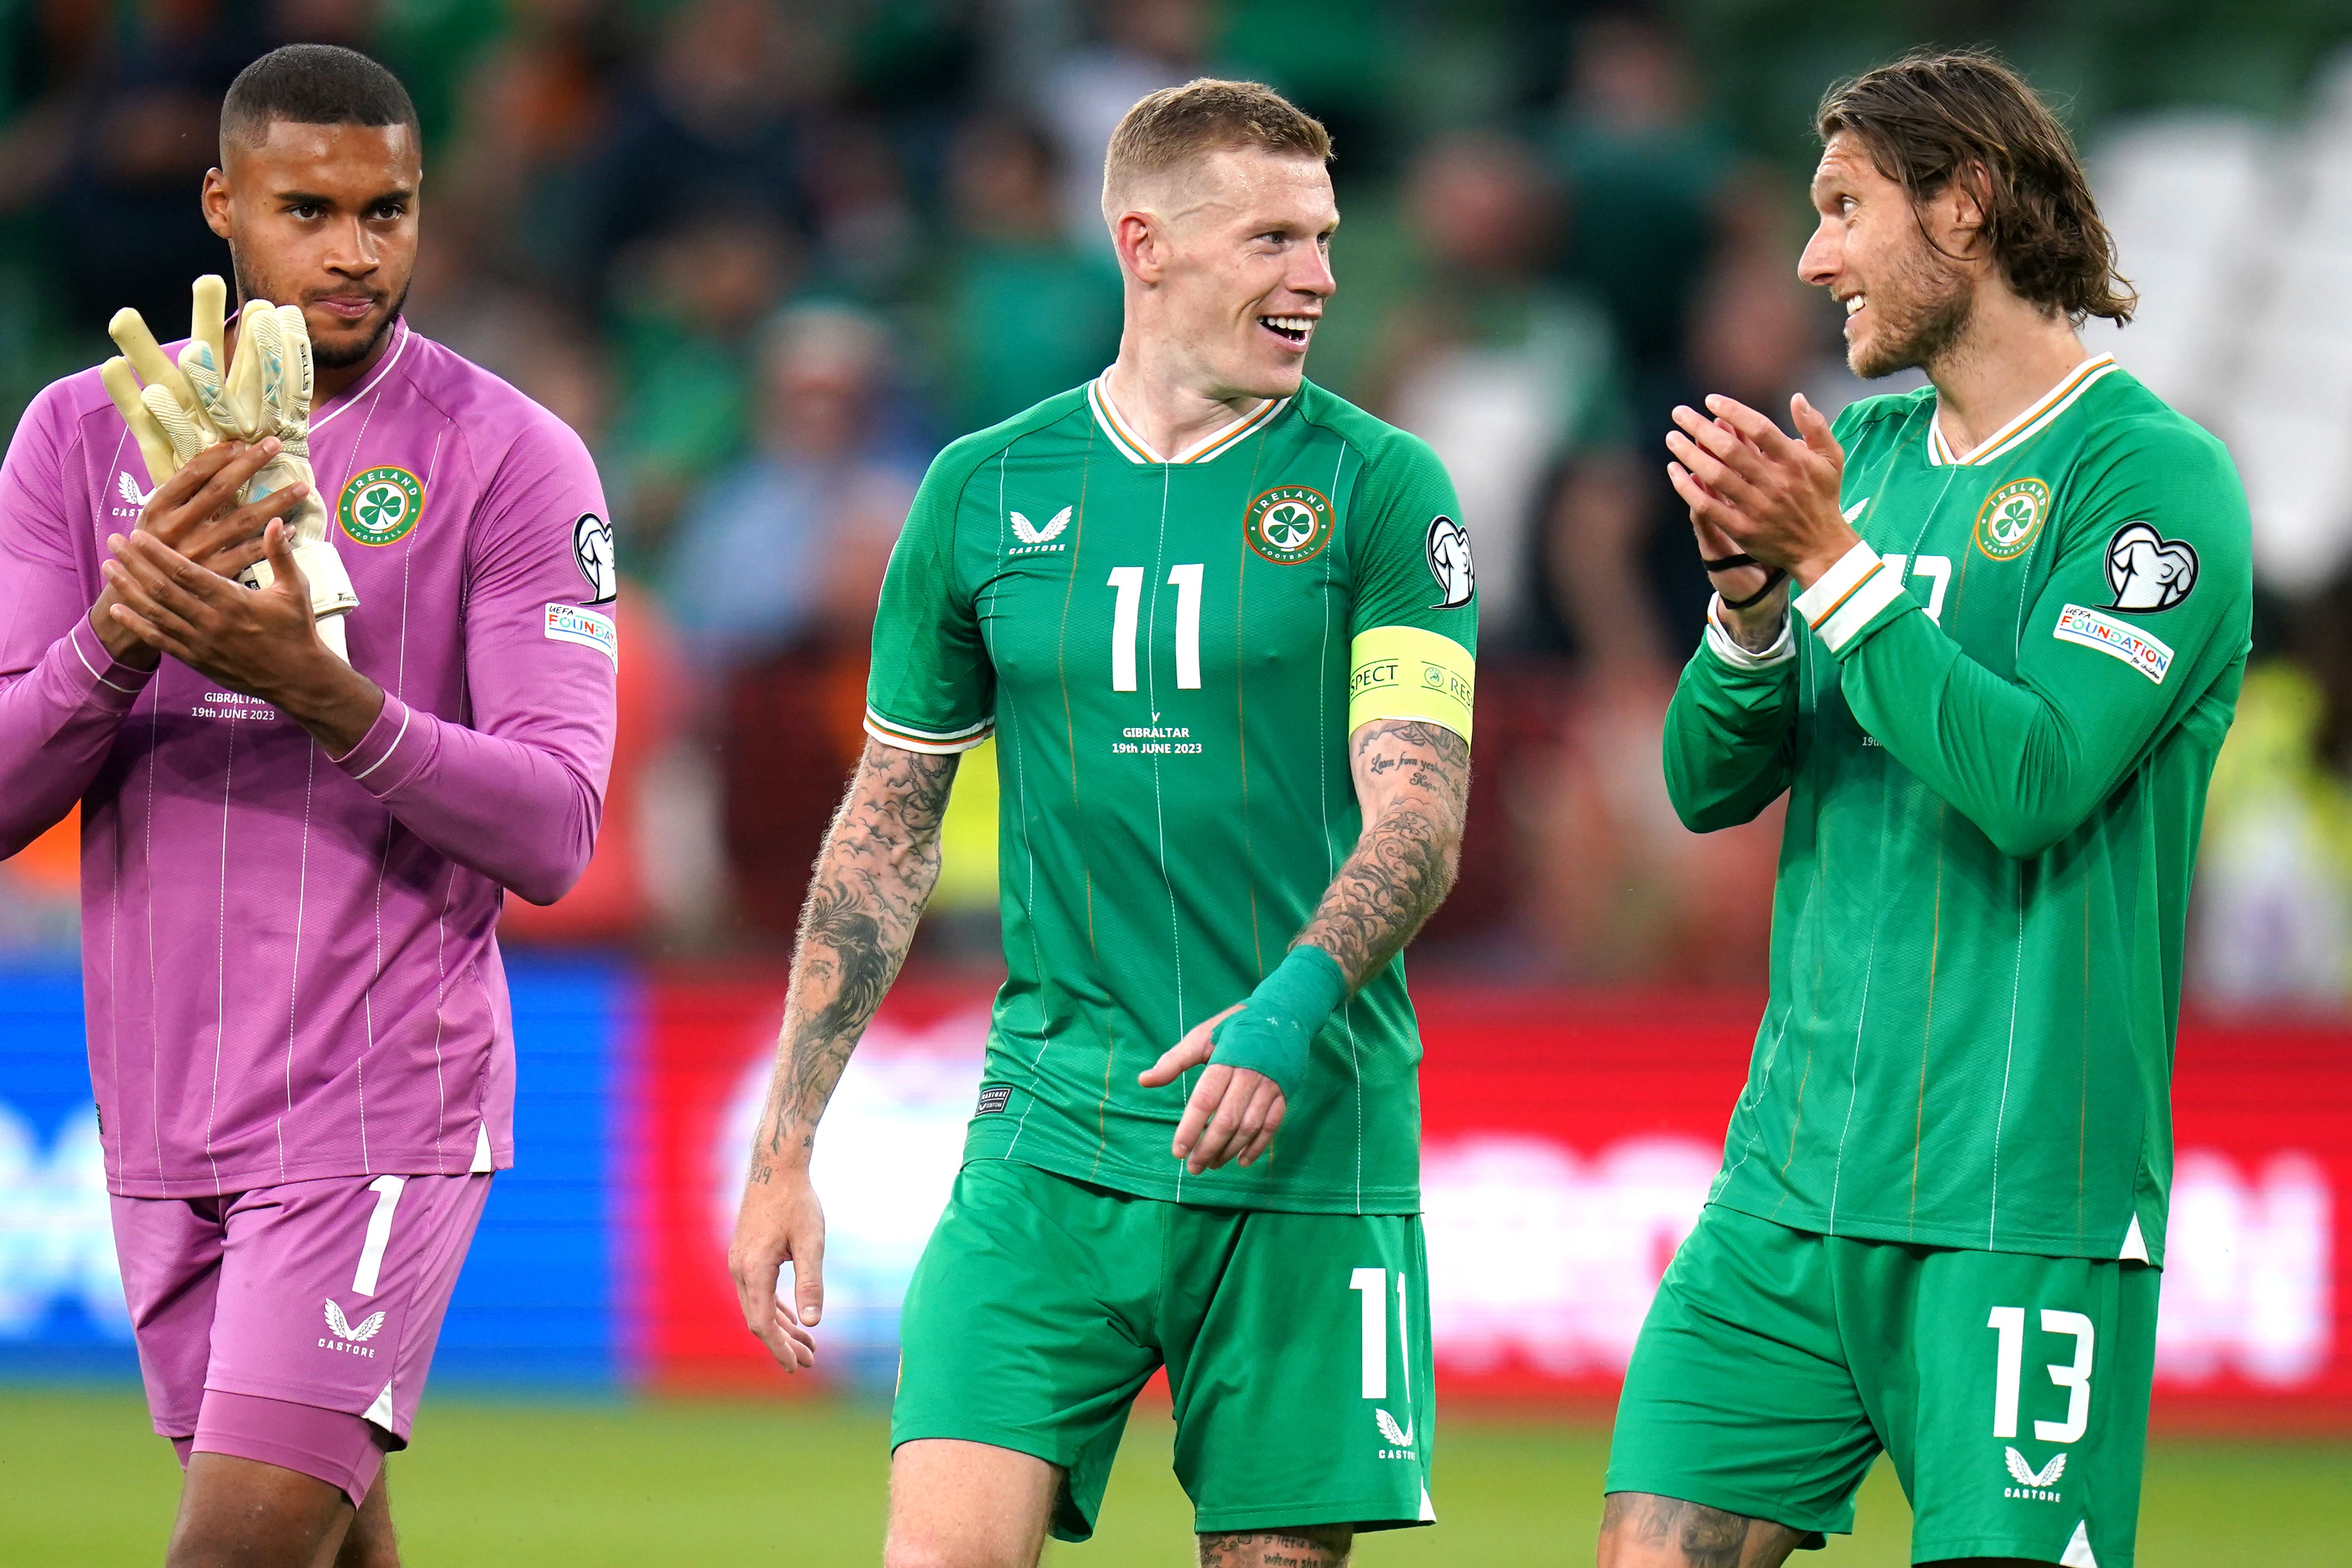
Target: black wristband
<point>1726,562</point>
<point>1772,579</point>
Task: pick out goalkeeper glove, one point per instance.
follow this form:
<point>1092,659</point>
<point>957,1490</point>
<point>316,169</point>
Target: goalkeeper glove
<point>266,393</point>
<point>164,416</point>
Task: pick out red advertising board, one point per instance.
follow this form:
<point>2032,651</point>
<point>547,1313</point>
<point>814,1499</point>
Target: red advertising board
<point>1569,1141</point>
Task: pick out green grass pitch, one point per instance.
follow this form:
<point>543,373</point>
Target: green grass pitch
<point>590,1484</point>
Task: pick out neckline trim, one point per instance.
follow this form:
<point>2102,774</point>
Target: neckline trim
<point>1135,450</point>
<point>369,381</point>
<point>2029,424</point>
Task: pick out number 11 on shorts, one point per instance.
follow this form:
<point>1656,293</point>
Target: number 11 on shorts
<point>1372,1284</point>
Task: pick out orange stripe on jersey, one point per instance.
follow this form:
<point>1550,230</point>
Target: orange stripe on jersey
<point>913,740</point>
<point>1849,594</point>
<point>1136,450</point>
<point>1939,450</point>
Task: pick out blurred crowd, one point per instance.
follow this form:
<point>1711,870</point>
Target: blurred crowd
<point>768,256</point>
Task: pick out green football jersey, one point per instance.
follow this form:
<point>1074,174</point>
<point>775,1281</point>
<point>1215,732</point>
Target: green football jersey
<point>1995,721</point>
<point>1165,653</point>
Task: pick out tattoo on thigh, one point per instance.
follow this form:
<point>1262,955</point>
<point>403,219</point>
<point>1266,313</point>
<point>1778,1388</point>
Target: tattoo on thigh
<point>1323,1548</point>
<point>1705,1537</point>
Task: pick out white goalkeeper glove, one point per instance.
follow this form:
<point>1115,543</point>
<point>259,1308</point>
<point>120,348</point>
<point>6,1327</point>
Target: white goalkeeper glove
<point>184,408</point>
<point>164,416</point>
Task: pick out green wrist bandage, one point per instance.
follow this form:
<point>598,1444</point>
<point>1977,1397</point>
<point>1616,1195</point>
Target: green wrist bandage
<point>1271,1033</point>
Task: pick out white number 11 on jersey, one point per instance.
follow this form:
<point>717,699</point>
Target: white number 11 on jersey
<point>1126,611</point>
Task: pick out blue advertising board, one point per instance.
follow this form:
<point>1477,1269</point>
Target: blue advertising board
<point>536,1303</point>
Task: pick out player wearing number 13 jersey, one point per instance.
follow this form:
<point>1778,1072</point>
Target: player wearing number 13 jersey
<point>1994,709</point>
<point>1220,624</point>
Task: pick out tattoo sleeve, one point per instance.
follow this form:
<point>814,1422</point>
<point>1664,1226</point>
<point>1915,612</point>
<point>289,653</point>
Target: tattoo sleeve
<point>880,864</point>
<point>1414,779</point>
<point>1701,1537</point>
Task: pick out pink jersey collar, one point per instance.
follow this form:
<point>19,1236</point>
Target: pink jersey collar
<point>368,382</point>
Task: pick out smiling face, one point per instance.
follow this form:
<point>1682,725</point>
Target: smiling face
<point>1905,303</point>
<point>324,217</point>
<point>1235,255</point>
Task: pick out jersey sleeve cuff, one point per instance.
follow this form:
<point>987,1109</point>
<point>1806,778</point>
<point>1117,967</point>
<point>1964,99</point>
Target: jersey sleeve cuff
<point>932,742</point>
<point>96,676</point>
<point>1726,647</point>
<point>390,752</point>
<point>1850,597</point>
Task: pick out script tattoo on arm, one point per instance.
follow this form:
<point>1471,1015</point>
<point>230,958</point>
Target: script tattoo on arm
<point>1414,781</point>
<point>880,864</point>
<point>1322,1546</point>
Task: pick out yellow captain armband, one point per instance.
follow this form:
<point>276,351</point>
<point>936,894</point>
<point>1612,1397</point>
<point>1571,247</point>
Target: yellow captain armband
<point>1404,672</point>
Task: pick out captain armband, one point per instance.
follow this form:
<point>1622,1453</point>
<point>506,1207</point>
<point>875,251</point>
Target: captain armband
<point>1404,672</point>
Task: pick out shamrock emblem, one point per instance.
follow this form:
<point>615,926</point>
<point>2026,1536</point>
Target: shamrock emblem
<point>2013,519</point>
<point>381,507</point>
<point>1288,526</point>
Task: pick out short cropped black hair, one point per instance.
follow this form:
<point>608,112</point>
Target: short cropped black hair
<point>312,84</point>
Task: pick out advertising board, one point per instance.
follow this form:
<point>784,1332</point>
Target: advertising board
<point>1570,1139</point>
<point>1570,1143</point>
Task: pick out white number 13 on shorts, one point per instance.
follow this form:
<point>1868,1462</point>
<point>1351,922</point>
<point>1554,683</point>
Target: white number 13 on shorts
<point>2075,1377</point>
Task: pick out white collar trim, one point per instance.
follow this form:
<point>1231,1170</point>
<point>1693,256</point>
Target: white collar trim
<point>1133,447</point>
<point>368,382</point>
<point>2028,424</point>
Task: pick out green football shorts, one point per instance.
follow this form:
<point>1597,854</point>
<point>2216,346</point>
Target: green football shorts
<point>2010,1390</point>
<point>1296,1347</point>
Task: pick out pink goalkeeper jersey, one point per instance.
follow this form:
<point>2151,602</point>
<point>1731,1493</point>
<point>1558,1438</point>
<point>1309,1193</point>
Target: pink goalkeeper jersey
<point>288,957</point>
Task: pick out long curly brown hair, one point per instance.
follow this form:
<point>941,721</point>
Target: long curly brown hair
<point>1934,116</point>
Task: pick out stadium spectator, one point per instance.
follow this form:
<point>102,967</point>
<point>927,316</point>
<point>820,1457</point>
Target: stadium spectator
<point>1022,311</point>
<point>142,133</point>
<point>751,568</point>
<point>721,118</point>
<point>685,337</point>
<point>868,237</point>
<point>525,111</point>
<point>1758,335</point>
<point>772,584</point>
<point>1145,45</point>
<point>1650,173</point>
<point>1505,371</point>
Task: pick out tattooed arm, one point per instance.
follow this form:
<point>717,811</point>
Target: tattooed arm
<point>880,861</point>
<point>1412,781</point>
<point>1641,1529</point>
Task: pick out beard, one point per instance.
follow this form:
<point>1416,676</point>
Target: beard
<point>1922,308</point>
<point>322,357</point>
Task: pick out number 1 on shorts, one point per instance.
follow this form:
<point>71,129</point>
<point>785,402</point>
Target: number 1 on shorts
<point>1374,1285</point>
<point>379,1233</point>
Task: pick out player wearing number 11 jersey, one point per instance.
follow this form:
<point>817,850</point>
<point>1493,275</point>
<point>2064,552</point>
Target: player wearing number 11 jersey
<point>1220,626</point>
<point>1994,709</point>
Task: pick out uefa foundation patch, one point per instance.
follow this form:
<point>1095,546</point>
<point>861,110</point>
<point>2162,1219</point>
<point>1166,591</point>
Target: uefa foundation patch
<point>380,505</point>
<point>2134,647</point>
<point>574,624</point>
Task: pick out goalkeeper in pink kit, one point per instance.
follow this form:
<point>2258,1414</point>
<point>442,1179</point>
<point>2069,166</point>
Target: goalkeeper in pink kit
<point>328,666</point>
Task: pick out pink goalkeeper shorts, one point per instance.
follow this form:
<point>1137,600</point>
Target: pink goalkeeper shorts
<point>294,1324</point>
